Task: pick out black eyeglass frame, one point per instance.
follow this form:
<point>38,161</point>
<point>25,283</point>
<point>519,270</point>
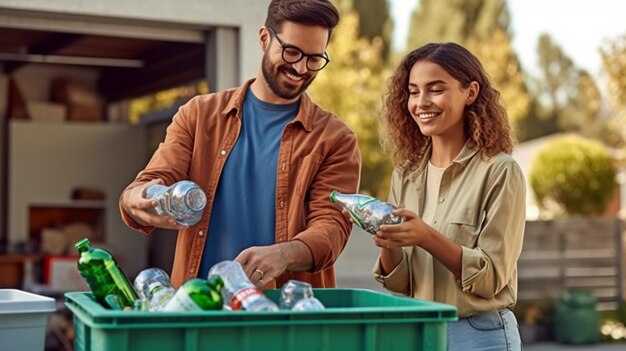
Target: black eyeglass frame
<point>324,58</point>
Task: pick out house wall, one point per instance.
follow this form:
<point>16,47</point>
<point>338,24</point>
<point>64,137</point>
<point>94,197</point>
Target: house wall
<point>48,160</point>
<point>158,19</point>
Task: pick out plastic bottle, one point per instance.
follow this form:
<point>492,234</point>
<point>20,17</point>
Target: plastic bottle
<point>308,304</point>
<point>368,212</point>
<point>197,295</point>
<point>104,276</point>
<point>183,200</point>
<point>239,292</point>
<point>292,292</point>
<point>154,286</point>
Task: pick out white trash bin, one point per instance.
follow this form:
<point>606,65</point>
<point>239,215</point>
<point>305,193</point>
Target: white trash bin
<point>23,319</point>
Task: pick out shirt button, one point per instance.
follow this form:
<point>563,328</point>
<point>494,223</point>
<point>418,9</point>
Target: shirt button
<point>200,232</point>
<point>441,199</point>
<point>223,152</point>
<point>282,204</point>
<point>191,270</point>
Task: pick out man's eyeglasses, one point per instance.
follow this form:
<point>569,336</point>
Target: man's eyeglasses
<point>293,54</point>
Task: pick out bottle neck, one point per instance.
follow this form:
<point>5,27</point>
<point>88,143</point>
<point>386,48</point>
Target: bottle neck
<point>83,246</point>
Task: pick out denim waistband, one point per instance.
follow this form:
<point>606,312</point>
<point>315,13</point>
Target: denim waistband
<point>500,311</point>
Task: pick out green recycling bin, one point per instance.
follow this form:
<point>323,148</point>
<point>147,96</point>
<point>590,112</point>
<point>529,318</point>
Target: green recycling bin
<point>576,320</point>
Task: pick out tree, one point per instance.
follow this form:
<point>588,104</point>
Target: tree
<point>502,64</point>
<point>483,27</point>
<point>375,21</point>
<point>567,95</point>
<point>351,87</point>
<point>456,20</point>
<point>614,65</point>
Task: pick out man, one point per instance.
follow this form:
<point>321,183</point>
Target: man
<point>267,158</point>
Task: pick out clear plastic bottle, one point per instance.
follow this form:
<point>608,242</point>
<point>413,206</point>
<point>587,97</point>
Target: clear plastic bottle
<point>104,276</point>
<point>292,292</point>
<point>239,293</point>
<point>368,212</point>
<point>197,295</point>
<point>154,286</point>
<point>183,200</point>
<point>308,304</point>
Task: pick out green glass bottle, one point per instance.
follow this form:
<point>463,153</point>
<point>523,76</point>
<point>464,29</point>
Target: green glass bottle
<point>197,295</point>
<point>104,276</point>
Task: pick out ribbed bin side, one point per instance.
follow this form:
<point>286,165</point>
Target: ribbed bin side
<point>354,319</point>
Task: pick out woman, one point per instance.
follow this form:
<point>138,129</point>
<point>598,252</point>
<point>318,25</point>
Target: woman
<point>461,193</point>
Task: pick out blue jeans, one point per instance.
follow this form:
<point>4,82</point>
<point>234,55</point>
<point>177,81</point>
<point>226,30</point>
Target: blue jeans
<point>494,330</point>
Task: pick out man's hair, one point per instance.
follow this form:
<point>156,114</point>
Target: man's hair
<point>309,12</point>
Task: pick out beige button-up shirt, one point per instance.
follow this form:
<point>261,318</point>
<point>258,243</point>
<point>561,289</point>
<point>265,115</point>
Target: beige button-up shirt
<point>481,206</point>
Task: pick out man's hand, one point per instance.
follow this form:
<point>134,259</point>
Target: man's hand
<point>263,264</point>
<point>140,208</point>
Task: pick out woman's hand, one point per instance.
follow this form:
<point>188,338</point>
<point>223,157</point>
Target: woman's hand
<point>412,232</point>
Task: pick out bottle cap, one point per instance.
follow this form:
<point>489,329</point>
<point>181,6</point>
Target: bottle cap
<point>332,196</point>
<point>82,243</point>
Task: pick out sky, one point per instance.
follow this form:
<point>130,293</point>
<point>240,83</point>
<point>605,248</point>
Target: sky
<point>579,27</point>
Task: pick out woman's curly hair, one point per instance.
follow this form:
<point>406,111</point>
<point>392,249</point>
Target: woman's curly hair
<point>486,122</point>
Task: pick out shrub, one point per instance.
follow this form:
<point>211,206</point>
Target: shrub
<point>576,174</point>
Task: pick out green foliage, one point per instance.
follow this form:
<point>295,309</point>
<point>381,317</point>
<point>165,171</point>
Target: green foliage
<point>575,175</point>
<point>501,62</point>
<point>351,87</point>
<point>540,311</point>
<point>567,95</point>
<point>614,65</point>
<point>456,20</point>
<point>483,27</point>
<point>375,21</point>
<point>612,327</point>
<point>163,99</point>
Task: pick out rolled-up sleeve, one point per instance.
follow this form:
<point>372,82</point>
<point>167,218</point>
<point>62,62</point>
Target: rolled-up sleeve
<point>328,229</point>
<point>171,160</point>
<point>397,280</point>
<point>489,267</point>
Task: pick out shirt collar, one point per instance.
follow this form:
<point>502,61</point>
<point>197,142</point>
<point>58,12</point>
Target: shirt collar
<point>468,151</point>
<point>305,114</point>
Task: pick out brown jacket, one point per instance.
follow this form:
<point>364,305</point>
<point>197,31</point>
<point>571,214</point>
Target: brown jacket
<point>318,154</point>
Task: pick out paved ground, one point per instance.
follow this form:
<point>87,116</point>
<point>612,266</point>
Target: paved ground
<point>354,267</point>
<point>354,271</point>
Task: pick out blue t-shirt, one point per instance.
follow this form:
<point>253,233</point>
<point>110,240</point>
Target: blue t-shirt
<point>243,213</point>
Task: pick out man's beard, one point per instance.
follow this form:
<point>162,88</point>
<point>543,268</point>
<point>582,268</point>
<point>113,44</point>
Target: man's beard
<point>279,89</point>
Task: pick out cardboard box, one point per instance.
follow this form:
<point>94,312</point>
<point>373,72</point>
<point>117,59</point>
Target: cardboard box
<point>43,111</point>
<point>77,112</point>
<point>82,102</point>
<point>23,319</point>
<point>61,273</point>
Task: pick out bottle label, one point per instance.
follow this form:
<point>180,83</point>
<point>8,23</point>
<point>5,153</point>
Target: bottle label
<point>365,202</point>
<point>181,301</point>
<point>239,299</point>
<point>356,219</point>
